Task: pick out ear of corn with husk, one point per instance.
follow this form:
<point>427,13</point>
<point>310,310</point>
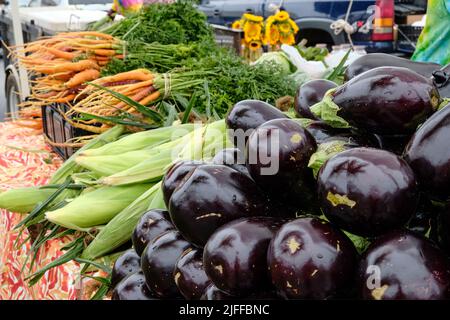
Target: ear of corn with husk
<point>96,207</point>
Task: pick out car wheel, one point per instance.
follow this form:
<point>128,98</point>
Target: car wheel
<point>12,97</point>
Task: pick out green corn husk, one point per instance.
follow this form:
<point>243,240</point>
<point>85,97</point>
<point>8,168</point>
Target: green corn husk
<point>70,166</point>
<point>141,140</point>
<point>118,231</point>
<point>200,144</point>
<point>97,207</point>
<point>23,200</point>
<point>111,164</point>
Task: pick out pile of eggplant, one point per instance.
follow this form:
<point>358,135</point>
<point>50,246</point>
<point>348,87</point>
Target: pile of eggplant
<point>351,202</point>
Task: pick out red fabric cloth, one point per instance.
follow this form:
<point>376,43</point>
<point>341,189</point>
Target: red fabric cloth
<point>25,160</point>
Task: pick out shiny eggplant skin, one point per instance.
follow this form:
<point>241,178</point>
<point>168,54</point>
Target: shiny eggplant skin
<point>402,265</point>
<point>133,287</point>
<point>322,131</point>
<point>428,154</point>
<point>286,147</point>
<point>387,100</point>
<point>393,143</point>
<point>441,79</point>
<point>175,175</point>
<point>128,263</point>
<point>158,263</point>
<point>309,94</point>
<point>375,60</point>
<point>233,158</point>
<point>310,259</point>
<point>250,114</point>
<point>443,229</point>
<point>235,255</point>
<point>213,293</point>
<point>151,225</point>
<point>367,191</point>
<point>211,196</point>
<point>190,275</point>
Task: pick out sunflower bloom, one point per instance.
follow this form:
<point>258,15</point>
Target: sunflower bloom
<point>237,25</point>
<point>281,16</point>
<point>255,45</point>
<point>293,25</point>
<point>252,31</point>
<point>284,27</point>
<point>252,17</point>
<point>287,39</point>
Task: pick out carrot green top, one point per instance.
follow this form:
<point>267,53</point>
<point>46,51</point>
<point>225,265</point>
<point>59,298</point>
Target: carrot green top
<point>434,42</point>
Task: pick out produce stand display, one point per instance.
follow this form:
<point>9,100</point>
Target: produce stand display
<point>191,172</point>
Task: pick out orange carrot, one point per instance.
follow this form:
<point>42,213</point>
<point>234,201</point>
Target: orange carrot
<point>68,66</point>
<point>138,74</point>
<point>82,77</point>
<point>61,54</point>
<point>152,97</point>
<point>138,96</point>
<point>105,52</point>
<point>67,98</point>
<point>87,33</point>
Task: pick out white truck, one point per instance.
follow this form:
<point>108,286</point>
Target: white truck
<point>39,18</point>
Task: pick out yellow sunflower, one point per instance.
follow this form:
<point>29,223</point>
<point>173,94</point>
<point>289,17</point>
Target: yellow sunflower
<point>273,35</point>
<point>284,27</point>
<point>255,45</point>
<point>252,31</point>
<point>287,39</point>
<point>252,17</point>
<point>237,25</point>
<point>281,16</point>
<point>293,25</point>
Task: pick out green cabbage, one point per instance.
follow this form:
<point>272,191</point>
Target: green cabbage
<point>278,59</point>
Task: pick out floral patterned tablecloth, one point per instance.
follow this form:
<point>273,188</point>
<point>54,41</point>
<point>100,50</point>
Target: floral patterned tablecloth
<point>25,160</point>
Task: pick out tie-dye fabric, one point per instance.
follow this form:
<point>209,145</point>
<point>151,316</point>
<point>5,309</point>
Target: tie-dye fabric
<point>434,41</point>
<point>25,160</point>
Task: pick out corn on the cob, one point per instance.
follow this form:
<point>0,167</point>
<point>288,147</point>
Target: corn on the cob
<point>23,200</point>
<point>95,207</point>
<point>199,144</point>
<point>69,166</point>
<point>119,229</point>
<point>111,164</point>
<point>141,140</point>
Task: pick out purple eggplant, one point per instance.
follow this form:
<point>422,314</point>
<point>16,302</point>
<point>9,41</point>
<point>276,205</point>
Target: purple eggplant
<point>367,191</point>
<point>277,158</point>
<point>443,229</point>
<point>428,154</point>
<point>309,94</point>
<point>235,255</point>
<point>247,115</point>
<point>250,114</point>
<point>158,263</point>
<point>175,175</point>
<point>133,287</point>
<point>441,79</point>
<point>376,60</point>
<point>190,275</point>
<point>403,266</point>
<point>128,263</point>
<point>233,158</point>
<point>309,259</point>
<point>393,143</point>
<point>385,101</point>
<point>213,293</point>
<point>322,131</point>
<point>152,224</point>
<point>211,196</point>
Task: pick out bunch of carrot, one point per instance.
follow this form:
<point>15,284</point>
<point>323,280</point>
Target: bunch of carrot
<point>60,65</point>
<point>133,95</point>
